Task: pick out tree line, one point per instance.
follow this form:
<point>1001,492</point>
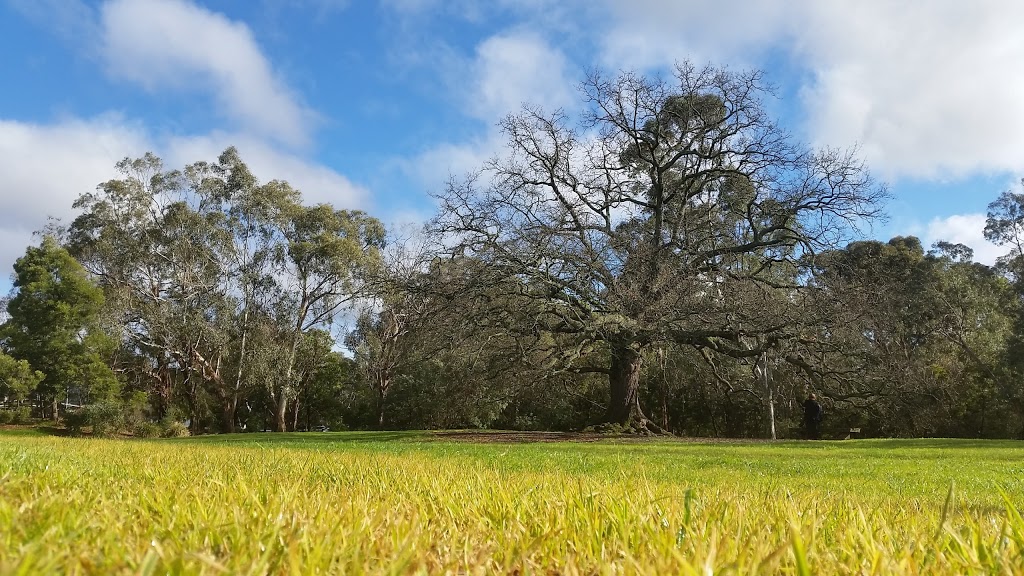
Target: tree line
<point>670,260</point>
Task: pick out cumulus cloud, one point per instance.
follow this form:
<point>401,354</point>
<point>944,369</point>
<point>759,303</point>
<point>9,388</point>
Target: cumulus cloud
<point>517,68</point>
<point>318,183</point>
<point>174,44</point>
<point>45,167</point>
<point>509,70</point>
<point>653,34</point>
<point>966,229</point>
<point>927,89</point>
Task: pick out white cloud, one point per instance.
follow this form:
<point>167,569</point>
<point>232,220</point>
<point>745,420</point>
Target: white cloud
<point>966,229</point>
<point>515,69</point>
<point>318,183</point>
<point>928,89</point>
<point>174,44</point>
<point>653,33</point>
<point>44,168</point>
<point>433,167</point>
<point>510,69</point>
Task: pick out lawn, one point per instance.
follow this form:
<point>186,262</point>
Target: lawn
<point>351,503</point>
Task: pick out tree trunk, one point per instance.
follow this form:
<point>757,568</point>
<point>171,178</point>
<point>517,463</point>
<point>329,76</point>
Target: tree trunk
<point>624,380</point>
<point>281,412</point>
<point>229,405</point>
<point>165,388</point>
<point>769,394</point>
<point>385,383</point>
<point>231,396</point>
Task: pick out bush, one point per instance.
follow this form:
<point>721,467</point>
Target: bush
<point>17,415</point>
<point>148,430</point>
<point>104,418</point>
<point>21,415</point>
<point>76,421</point>
<point>174,429</point>
<point>135,411</point>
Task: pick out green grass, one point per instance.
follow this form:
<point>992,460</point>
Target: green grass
<point>405,502</point>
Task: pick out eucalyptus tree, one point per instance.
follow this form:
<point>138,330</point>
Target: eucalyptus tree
<point>322,269</point>
<point>664,215</point>
<point>196,261</point>
<point>250,218</point>
<point>403,321</point>
<point>1004,226</point>
<point>153,246</point>
<point>915,338</point>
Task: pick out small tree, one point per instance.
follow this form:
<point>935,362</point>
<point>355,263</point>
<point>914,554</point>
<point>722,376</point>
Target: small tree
<point>17,379</point>
<point>53,325</point>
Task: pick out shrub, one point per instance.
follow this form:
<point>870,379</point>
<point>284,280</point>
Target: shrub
<point>148,430</point>
<point>16,415</point>
<point>21,415</point>
<point>104,418</point>
<point>175,429</point>
<point>135,410</point>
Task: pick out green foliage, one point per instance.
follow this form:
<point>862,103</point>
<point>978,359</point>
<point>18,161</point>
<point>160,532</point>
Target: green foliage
<point>174,429</point>
<point>17,378</point>
<point>101,419</point>
<point>53,323</point>
<point>16,415</point>
<point>148,430</point>
<point>135,411</point>
<point>712,307</point>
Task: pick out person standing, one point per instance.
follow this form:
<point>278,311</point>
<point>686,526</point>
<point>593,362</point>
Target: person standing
<point>812,417</point>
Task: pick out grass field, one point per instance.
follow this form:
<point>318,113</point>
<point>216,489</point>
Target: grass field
<point>352,503</point>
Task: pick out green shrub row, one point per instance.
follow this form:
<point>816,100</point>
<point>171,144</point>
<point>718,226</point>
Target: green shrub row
<point>109,418</point>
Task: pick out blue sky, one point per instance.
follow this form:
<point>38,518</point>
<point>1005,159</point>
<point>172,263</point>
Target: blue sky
<point>372,104</point>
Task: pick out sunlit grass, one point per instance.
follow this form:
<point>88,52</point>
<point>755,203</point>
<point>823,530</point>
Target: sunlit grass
<point>402,503</point>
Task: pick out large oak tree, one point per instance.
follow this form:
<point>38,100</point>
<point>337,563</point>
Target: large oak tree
<point>675,210</point>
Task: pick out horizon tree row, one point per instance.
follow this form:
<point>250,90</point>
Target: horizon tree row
<point>670,260</point>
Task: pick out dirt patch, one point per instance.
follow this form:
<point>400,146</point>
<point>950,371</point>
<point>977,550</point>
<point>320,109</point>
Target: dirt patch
<point>514,437</point>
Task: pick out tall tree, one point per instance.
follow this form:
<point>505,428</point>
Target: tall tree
<point>1004,226</point>
<point>323,268</point>
<point>664,216</point>
<point>194,260</point>
<point>250,219</point>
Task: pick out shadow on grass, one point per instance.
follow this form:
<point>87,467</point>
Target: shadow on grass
<point>306,438</point>
<point>933,443</point>
<point>31,430</point>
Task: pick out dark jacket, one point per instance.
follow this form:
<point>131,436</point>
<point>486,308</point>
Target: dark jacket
<point>812,411</point>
